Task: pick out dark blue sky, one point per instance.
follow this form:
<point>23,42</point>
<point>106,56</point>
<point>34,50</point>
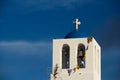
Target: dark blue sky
<point>27,28</point>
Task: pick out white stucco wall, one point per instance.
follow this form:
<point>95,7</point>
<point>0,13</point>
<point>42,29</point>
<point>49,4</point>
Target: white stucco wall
<point>92,71</point>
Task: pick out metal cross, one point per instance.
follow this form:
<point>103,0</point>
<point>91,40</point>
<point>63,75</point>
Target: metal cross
<point>76,22</point>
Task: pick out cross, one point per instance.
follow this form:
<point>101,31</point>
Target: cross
<point>76,22</point>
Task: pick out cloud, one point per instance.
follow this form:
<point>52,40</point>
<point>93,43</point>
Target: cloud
<point>109,32</point>
<point>111,64</point>
<point>107,35</point>
<point>21,60</point>
<point>49,4</point>
<point>24,47</point>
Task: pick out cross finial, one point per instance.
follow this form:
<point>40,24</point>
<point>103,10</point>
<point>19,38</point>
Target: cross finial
<point>76,22</point>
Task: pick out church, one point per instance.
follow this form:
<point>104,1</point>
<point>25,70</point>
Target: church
<point>76,57</point>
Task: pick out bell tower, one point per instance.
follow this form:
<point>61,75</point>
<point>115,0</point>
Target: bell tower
<point>76,57</point>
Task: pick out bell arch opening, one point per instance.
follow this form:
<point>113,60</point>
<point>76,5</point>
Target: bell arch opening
<point>81,56</point>
<point>65,56</point>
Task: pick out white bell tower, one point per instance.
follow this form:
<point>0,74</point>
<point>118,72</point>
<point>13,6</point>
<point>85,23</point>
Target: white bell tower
<point>76,57</point>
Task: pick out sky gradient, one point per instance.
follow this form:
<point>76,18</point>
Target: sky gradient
<point>27,28</point>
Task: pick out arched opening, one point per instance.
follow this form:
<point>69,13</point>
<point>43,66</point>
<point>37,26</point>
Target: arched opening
<point>65,56</point>
<point>81,56</point>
